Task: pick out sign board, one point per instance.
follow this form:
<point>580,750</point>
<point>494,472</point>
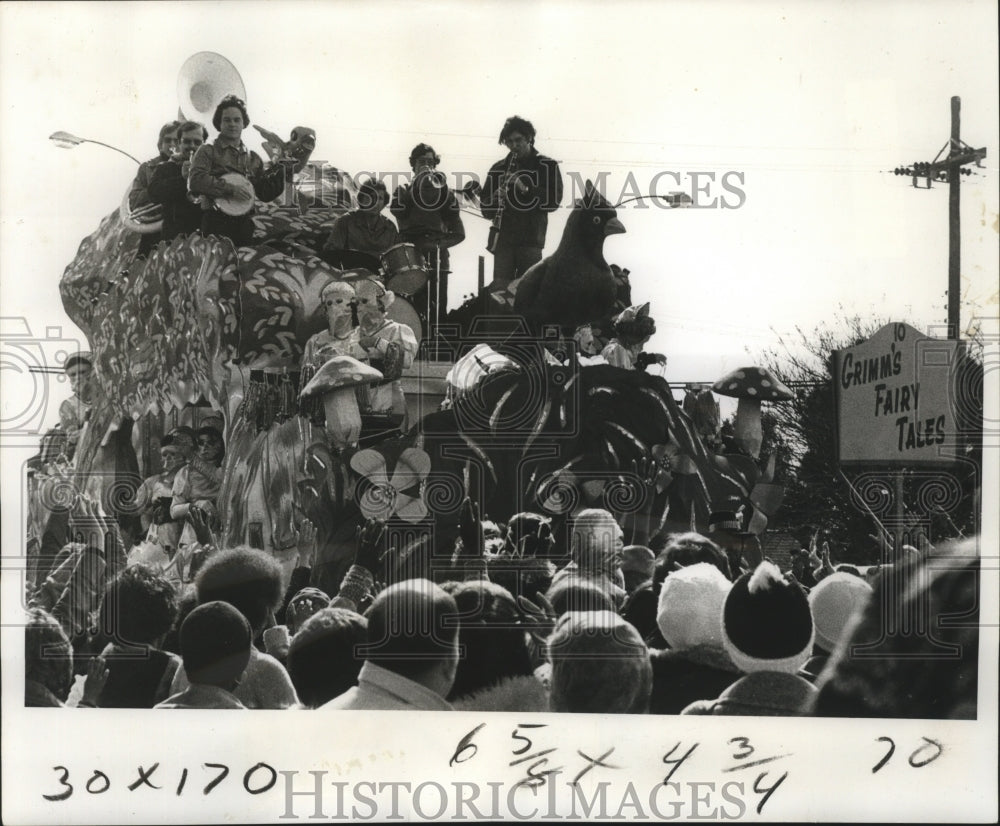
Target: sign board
<point>895,398</point>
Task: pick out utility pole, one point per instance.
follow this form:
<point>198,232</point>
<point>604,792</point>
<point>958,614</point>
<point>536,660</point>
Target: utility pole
<point>950,170</point>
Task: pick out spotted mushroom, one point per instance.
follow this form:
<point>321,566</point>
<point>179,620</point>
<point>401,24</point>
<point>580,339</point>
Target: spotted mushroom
<point>751,386</point>
<point>335,382</point>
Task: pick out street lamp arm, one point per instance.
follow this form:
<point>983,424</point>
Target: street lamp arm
<point>68,141</point>
<point>120,151</point>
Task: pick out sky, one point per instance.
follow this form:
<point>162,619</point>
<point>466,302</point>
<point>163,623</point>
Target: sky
<point>802,109</point>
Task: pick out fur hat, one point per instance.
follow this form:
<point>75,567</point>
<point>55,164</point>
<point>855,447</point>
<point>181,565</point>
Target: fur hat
<point>761,694</point>
<point>766,622</point>
<point>835,602</point>
<point>690,606</point>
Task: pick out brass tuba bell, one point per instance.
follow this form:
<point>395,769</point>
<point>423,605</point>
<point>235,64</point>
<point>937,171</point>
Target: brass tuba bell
<point>203,81</point>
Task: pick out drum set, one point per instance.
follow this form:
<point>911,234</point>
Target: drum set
<point>403,269</point>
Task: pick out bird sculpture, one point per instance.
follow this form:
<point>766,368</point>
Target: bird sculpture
<point>574,285</point>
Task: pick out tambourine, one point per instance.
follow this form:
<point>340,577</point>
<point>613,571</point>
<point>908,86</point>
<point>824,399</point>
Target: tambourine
<point>242,203</point>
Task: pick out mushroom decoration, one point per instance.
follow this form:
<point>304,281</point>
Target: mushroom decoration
<point>335,382</point>
<point>751,385</point>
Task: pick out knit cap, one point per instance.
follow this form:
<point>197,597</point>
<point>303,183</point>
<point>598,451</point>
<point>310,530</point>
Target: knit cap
<point>215,644</point>
<point>834,603</point>
<point>690,606</point>
<point>766,622</point>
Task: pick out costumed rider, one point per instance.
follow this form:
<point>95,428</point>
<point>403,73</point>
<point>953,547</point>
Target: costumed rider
<point>75,411</point>
<point>390,348</point>
<point>340,338</point>
<point>429,217</point>
<point>632,328</point>
<point>226,155</point>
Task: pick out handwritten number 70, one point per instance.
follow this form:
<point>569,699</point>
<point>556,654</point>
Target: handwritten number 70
<point>927,753</point>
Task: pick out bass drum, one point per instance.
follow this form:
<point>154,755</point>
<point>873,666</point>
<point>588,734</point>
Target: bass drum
<point>402,311</point>
<point>404,269</point>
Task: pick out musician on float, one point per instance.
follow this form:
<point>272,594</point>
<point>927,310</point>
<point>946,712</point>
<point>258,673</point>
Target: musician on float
<point>359,238</point>
<point>429,218</point>
<point>168,187</point>
<point>225,155</point>
<point>389,347</point>
<point>139,194</point>
<point>517,196</point>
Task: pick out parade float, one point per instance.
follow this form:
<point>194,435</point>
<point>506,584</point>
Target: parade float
<point>500,408</point>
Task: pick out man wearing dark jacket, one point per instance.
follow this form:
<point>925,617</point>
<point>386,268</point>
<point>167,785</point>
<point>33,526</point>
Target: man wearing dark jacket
<point>181,211</point>
<point>519,192</point>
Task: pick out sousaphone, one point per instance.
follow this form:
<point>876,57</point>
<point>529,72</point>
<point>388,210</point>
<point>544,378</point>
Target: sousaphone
<point>204,80</point>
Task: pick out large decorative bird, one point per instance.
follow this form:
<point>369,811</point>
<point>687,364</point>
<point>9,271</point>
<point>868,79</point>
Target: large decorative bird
<point>574,285</point>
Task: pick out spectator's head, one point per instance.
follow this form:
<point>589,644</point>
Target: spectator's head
<point>413,631</point>
<point>215,645</point>
<point>683,549</point>
<point>640,610</point>
<point>931,675</point>
<point>493,641</point>
<point>522,577</point>
<point>637,566</point>
<point>139,607</point>
<point>766,622</point>
<point>305,603</point>
<point>761,694</point>
<point>575,593</point>
<point>322,660</point>
<point>836,602</point>
<point>690,607</point>
<point>248,579</point>
<point>186,603</point>
<point>597,541</point>
<point>522,530</point>
<point>48,655</point>
<point>599,664</point>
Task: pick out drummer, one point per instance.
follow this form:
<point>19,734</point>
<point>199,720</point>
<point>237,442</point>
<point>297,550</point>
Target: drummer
<point>429,217</point>
<point>359,238</point>
<point>225,155</point>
